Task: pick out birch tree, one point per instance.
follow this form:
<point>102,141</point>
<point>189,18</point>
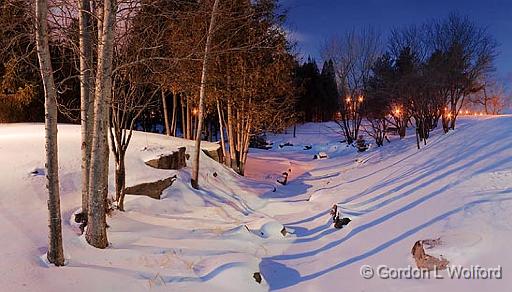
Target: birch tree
<point>86,95</point>
<point>55,253</point>
<point>96,234</point>
<point>197,151</point>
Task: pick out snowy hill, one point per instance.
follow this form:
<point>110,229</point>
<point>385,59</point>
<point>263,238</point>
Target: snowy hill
<point>187,238</point>
<point>457,188</point>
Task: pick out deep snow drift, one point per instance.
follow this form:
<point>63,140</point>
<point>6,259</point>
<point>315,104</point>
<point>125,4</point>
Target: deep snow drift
<point>458,188</point>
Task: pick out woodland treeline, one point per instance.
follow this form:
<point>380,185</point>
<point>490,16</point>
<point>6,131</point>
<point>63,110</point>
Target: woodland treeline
<point>157,62</point>
<point>218,70</point>
<point>421,77</point>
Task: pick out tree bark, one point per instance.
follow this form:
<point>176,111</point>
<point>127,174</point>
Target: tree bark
<point>120,179</point>
<point>221,130</point>
<point>231,139</point>
<point>166,114</point>
<point>86,96</point>
<point>55,253</point>
<point>189,120</point>
<point>96,234</point>
<point>485,102</point>
<point>174,112</point>
<point>417,138</point>
<point>210,131</point>
<point>244,148</point>
<point>183,122</point>
<point>202,91</point>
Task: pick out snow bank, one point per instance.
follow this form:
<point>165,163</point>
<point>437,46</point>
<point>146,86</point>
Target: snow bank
<point>458,188</point>
<point>179,242</point>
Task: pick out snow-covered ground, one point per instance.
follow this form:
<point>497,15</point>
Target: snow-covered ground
<point>458,187</point>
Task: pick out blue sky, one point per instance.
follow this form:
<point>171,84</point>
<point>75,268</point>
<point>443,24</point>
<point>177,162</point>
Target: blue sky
<point>312,21</point>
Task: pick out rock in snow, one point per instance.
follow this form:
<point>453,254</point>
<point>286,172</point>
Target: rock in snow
<point>176,160</point>
<point>426,261</point>
<point>151,189</point>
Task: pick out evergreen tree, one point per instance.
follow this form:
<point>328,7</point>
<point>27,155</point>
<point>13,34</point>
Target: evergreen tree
<point>330,99</point>
<point>318,93</point>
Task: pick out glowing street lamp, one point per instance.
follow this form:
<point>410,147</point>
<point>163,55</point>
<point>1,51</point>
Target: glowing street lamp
<point>348,99</point>
<point>360,99</point>
<point>195,111</point>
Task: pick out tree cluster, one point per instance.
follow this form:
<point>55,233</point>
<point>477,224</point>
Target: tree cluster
<point>21,89</point>
<point>201,67</point>
<point>317,92</point>
<point>424,77</point>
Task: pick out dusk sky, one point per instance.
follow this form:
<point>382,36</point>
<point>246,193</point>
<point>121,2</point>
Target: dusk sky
<point>312,21</point>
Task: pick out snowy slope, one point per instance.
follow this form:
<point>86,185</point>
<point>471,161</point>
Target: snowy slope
<point>188,240</point>
<point>458,187</point>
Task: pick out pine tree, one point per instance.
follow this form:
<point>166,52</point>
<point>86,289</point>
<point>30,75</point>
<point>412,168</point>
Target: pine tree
<point>330,100</point>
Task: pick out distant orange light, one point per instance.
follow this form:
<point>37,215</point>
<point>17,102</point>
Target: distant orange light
<point>195,111</point>
<point>360,99</point>
<point>348,99</point>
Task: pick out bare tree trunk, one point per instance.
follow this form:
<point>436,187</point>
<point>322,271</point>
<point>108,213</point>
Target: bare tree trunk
<point>231,139</point>
<point>174,112</point>
<point>183,122</point>
<point>417,138</point>
<point>192,125</point>
<point>189,120</point>
<point>454,111</point>
<point>238,139</point>
<point>55,253</point>
<point>485,102</point>
<point>202,90</point>
<point>210,131</point>
<point>96,234</point>
<point>402,128</point>
<point>166,114</point>
<point>86,96</point>
<point>120,179</point>
<point>221,130</point>
<point>244,150</point>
